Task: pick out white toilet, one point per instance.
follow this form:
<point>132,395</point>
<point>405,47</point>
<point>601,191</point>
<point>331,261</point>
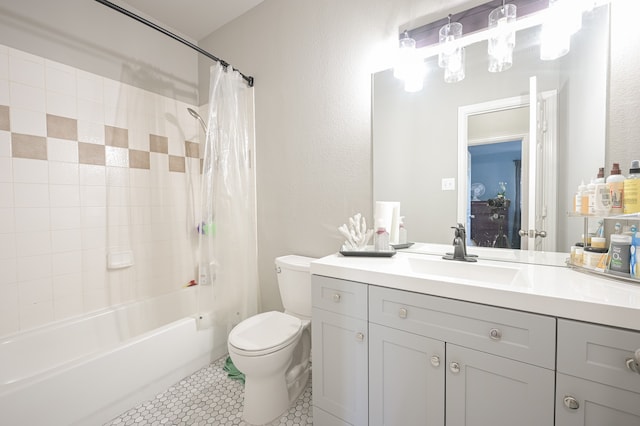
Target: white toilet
<point>273,349</point>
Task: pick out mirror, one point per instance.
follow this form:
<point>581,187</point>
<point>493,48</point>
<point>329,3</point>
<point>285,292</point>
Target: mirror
<point>415,135</point>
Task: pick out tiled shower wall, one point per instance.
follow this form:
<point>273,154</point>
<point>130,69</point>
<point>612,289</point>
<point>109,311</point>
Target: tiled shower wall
<point>90,167</point>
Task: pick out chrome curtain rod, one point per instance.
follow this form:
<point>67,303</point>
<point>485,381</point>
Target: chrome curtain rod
<point>187,43</point>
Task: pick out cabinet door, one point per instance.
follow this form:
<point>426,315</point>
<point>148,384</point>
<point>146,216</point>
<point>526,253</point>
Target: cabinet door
<point>582,402</point>
<point>406,378</point>
<point>340,368</point>
<point>484,389</point>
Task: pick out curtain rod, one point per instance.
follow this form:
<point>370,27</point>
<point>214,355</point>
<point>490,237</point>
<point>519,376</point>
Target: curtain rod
<point>148,23</point>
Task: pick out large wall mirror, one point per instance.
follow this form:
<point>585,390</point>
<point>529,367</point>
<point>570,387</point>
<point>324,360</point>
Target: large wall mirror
<point>416,138</point>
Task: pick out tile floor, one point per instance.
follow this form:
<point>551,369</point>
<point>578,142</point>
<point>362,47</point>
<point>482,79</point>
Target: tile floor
<point>207,397</point>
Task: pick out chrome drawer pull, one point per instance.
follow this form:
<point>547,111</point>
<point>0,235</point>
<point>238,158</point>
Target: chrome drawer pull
<point>571,403</point>
<point>454,367</point>
<point>360,336</point>
<point>633,364</point>
<point>495,334</point>
<point>336,297</point>
<point>402,313</point>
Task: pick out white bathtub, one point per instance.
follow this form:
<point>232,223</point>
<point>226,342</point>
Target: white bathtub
<point>88,370</point>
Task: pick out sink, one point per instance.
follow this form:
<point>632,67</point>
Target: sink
<point>471,271</point>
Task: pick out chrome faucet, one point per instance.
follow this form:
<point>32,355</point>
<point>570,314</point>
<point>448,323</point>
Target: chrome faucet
<point>460,246</point>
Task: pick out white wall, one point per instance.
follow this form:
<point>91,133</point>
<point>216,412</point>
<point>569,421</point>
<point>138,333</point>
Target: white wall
<point>90,36</point>
<point>312,61</point>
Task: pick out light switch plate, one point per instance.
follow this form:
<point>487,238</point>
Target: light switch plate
<point>448,184</point>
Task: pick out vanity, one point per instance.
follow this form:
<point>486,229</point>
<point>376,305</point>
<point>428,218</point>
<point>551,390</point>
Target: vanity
<point>418,340</point>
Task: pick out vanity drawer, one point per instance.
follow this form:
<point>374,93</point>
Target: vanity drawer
<point>339,296</point>
<point>512,334</point>
<point>598,353</point>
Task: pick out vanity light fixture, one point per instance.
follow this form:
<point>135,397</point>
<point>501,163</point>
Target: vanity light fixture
<point>503,37</point>
<point>451,56</point>
<point>409,65</point>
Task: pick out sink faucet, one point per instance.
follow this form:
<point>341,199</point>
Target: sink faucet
<point>460,246</point>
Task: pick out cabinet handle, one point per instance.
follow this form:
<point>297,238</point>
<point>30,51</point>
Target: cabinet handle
<point>336,297</point>
<point>633,363</point>
<point>454,367</point>
<point>571,403</point>
<point>402,313</point>
<point>360,336</point>
<point>435,361</point>
<point>495,334</point>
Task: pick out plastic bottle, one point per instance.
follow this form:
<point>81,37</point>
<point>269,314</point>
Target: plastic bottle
<point>634,254</point>
<point>578,198</point>
<point>590,206</point>
<point>381,238</point>
<point>619,253</point>
<point>402,232</point>
<point>631,188</point>
<point>600,176</point>
<point>615,182</point>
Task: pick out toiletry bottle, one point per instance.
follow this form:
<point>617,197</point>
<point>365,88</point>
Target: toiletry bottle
<point>590,206</point>
<point>631,188</point>
<point>634,255</point>
<point>615,182</point>
<point>578,198</point>
<point>402,232</point>
<point>619,253</point>
<point>602,202</point>
<point>381,238</point>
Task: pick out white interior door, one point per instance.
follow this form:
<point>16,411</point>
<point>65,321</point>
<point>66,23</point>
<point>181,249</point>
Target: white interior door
<point>539,222</point>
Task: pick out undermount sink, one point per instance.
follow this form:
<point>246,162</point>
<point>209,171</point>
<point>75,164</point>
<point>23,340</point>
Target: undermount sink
<point>471,271</point>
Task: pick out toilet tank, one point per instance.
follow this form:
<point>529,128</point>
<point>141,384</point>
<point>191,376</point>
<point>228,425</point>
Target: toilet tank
<point>294,282</point>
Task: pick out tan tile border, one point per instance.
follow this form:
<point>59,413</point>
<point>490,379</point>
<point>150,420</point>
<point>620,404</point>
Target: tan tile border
<point>5,118</point>
<point>28,146</point>
<point>89,153</point>
<point>62,127</point>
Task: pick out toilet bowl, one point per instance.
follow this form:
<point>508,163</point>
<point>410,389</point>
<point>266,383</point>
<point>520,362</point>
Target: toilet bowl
<point>273,348</point>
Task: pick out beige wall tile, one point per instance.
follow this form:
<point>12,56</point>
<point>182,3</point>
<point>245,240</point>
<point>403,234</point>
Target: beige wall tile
<point>176,164</point>
<point>116,136</point>
<point>28,146</point>
<point>159,144</point>
<point>139,159</point>
<point>62,127</point>
<point>89,153</point>
<point>4,118</point>
<point>192,149</point>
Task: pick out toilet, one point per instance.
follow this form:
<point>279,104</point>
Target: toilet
<point>273,349</point>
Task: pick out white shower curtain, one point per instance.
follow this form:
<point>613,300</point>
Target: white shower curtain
<point>228,245</point>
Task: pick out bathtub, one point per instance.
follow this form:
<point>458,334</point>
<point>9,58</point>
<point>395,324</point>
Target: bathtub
<point>90,369</point>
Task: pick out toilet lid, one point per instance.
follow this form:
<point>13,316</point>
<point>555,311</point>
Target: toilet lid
<point>265,331</point>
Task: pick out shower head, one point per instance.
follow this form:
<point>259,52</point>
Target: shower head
<point>195,115</point>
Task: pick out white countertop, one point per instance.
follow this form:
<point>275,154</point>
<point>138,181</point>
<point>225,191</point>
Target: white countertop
<point>552,290</point>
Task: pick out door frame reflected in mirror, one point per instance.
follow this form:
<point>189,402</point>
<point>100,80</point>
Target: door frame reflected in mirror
<point>544,187</point>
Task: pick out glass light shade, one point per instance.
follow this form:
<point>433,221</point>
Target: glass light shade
<point>503,39</point>
<point>414,77</point>
<point>454,71</point>
<point>448,33</point>
<point>406,53</point>
<point>555,38</point>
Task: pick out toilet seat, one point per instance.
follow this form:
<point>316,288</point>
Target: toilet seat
<point>265,333</point>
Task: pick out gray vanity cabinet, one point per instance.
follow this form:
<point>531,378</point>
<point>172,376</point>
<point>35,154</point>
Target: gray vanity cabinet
<point>479,365</point>
<point>484,389</point>
<point>406,378</point>
<point>339,352</point>
<point>597,384</point>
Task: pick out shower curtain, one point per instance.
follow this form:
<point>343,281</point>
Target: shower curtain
<point>228,244</point>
